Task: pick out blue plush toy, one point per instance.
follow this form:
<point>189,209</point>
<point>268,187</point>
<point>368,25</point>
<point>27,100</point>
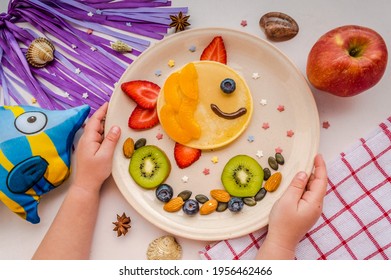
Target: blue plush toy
<point>35,151</point>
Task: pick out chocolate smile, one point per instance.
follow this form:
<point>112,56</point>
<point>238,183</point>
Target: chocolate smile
<point>230,116</point>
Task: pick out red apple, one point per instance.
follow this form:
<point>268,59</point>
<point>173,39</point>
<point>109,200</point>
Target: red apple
<point>347,60</point>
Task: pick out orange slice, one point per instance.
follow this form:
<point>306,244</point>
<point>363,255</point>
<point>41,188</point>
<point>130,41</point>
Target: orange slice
<point>172,92</point>
<point>188,81</point>
<point>186,118</point>
<point>170,124</point>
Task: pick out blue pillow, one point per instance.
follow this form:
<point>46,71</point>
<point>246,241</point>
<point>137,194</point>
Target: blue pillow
<point>35,152</point>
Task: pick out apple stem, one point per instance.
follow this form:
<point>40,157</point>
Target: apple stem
<point>354,52</point>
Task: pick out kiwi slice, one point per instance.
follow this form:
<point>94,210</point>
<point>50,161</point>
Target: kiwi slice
<point>242,176</point>
<point>149,166</point>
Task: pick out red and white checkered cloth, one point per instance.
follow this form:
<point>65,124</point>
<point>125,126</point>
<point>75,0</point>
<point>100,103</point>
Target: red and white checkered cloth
<point>355,223</point>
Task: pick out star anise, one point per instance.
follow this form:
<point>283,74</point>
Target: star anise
<point>122,225</point>
<point>179,22</point>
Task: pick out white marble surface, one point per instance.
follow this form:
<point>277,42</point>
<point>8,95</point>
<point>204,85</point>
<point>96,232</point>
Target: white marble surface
<point>349,118</point>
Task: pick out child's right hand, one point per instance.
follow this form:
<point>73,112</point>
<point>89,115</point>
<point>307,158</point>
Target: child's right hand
<point>294,214</point>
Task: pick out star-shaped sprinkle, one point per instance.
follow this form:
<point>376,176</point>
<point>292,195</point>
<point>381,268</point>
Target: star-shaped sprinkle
<point>192,48</point>
<point>85,95</point>
<point>33,100</point>
<point>90,14</point>
<point>259,154</point>
<point>179,22</point>
<point>215,159</point>
<point>206,171</point>
<point>77,71</point>
<point>159,136</point>
<point>158,73</point>
<point>73,46</point>
<point>265,125</point>
<point>185,179</point>
<point>255,76</point>
<point>94,49</point>
<point>250,138</point>
<point>243,23</point>
<point>278,150</point>
<point>290,133</point>
<point>98,12</point>
<point>129,24</point>
<point>326,125</point>
<point>171,63</point>
<point>281,108</point>
<point>263,102</point>
<point>66,94</point>
<point>89,31</point>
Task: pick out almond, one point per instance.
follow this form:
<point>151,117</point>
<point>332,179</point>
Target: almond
<point>220,195</point>
<point>208,207</point>
<point>128,147</point>
<point>273,182</point>
<point>174,204</point>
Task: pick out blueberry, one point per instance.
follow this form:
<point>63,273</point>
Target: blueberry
<point>235,204</point>
<point>191,207</point>
<point>228,85</point>
<point>164,192</point>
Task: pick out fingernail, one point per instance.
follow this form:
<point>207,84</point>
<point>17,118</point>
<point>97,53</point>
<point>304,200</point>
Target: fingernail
<point>302,175</point>
<point>116,130</point>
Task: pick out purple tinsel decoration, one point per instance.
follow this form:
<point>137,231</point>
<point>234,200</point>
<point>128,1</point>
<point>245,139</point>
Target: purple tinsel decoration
<point>85,67</point>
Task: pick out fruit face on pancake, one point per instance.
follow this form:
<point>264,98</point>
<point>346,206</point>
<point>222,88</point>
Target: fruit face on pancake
<point>204,105</point>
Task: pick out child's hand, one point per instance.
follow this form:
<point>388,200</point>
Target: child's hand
<point>298,209</point>
<point>95,152</point>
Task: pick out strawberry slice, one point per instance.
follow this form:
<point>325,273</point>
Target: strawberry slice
<point>215,51</point>
<point>185,156</point>
<point>143,118</point>
<point>144,93</point>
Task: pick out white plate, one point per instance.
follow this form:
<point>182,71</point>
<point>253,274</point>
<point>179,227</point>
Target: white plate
<point>280,83</point>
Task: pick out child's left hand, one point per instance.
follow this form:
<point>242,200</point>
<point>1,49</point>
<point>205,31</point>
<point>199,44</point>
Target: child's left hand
<point>95,152</point>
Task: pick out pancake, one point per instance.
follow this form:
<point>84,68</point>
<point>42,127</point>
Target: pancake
<point>194,111</point>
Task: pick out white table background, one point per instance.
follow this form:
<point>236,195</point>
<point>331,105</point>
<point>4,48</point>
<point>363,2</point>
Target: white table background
<point>349,118</point>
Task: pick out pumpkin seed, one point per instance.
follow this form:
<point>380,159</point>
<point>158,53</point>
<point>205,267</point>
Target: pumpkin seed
<point>266,173</point>
<point>273,163</point>
<point>280,159</point>
<point>260,195</point>
<point>222,206</point>
<point>186,194</point>
<point>249,201</point>
<point>140,143</point>
<point>201,198</point>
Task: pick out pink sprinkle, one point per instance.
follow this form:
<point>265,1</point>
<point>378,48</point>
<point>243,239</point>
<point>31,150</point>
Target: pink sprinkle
<point>281,108</point>
<point>206,171</point>
<point>326,125</point>
<point>278,150</point>
<point>243,23</point>
<point>265,125</point>
<point>89,31</point>
<point>159,136</point>
<point>290,133</point>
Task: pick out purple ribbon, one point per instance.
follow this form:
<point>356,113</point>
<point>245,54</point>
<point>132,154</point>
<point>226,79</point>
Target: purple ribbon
<point>85,67</point>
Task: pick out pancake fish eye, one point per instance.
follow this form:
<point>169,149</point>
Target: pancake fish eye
<point>228,85</point>
<point>31,122</point>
